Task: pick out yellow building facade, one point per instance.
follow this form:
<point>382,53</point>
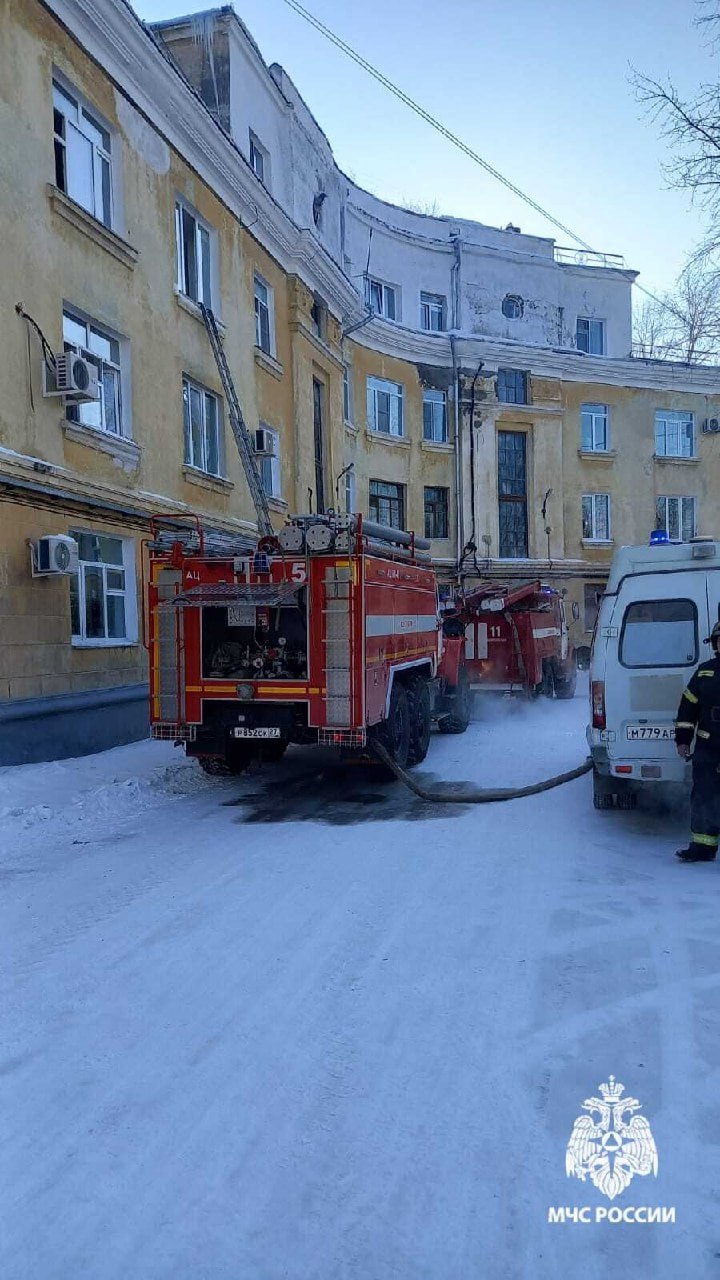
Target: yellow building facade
<point>126,202</point>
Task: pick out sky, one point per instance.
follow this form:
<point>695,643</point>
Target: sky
<point>540,88</point>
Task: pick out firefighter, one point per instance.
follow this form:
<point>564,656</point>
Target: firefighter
<point>698,718</point>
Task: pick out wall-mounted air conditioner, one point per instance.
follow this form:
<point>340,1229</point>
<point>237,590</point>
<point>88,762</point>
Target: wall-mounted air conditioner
<point>55,555</point>
<point>711,426</point>
<point>264,443</point>
<point>73,377</point>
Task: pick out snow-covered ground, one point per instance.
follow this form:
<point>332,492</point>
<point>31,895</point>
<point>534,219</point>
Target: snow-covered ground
<point>302,1025</point>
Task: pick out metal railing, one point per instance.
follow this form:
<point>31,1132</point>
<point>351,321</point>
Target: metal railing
<point>588,258</point>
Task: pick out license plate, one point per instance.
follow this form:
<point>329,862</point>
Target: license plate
<point>241,732</point>
<point>650,732</point>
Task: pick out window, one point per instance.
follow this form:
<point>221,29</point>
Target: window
<point>432,312</point>
<point>594,428</point>
<point>264,324</point>
<point>435,416</point>
<point>102,350</point>
<point>677,516</point>
<point>319,443</point>
<point>593,595</point>
<point>590,336</point>
<point>259,159</point>
<point>512,386</point>
<point>193,256</point>
<point>318,317</point>
<point>382,298</point>
<point>674,434</point>
<point>82,155</point>
<point>659,633</point>
<point>350,503</point>
<point>103,606</point>
<point>201,417</point>
<point>385,406</point>
<point>270,465</point>
<point>436,513</point>
<point>512,494</point>
<point>596,517</point>
<point>347,395</point>
<point>387,503</point>
<point>512,306</point>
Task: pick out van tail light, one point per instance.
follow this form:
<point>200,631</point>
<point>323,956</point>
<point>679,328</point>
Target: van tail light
<point>598,704</point>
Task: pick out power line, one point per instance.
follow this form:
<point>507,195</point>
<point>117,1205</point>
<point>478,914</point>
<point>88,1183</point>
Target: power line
<point>454,139</point>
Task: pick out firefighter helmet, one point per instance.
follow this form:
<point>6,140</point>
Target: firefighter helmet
<point>714,637</point>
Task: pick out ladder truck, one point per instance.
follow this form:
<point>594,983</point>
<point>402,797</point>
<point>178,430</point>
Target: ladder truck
<point>328,632</point>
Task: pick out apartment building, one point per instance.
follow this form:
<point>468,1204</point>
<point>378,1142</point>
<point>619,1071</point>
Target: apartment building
<point>472,383</point>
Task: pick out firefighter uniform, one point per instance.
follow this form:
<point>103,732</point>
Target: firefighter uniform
<point>698,718</point>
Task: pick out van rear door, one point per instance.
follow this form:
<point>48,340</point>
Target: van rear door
<point>713,596</point>
<point>657,627</point>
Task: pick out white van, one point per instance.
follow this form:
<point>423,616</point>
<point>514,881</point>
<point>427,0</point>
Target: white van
<point>660,603</point>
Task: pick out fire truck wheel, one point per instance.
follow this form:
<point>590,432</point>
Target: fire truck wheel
<point>396,734</point>
<point>459,718</point>
<point>273,751</point>
<point>420,719</point>
<point>565,684</point>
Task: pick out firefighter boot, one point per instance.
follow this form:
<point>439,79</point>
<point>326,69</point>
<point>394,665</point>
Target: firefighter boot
<point>697,853</point>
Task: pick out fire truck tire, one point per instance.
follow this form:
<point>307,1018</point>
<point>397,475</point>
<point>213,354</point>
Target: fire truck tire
<point>396,730</point>
<point>565,684</point>
<point>420,719</point>
<point>459,718</point>
<point>547,686</point>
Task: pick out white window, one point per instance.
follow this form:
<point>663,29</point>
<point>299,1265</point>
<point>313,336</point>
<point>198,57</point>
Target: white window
<point>194,267</point>
<point>82,155</point>
<point>350,489</point>
<point>596,517</point>
<point>259,159</point>
<point>103,350</point>
<point>203,429</point>
<point>270,465</point>
<point>385,406</point>
<point>590,336</point>
<point>264,316</point>
<point>382,298</point>
<point>348,414</point>
<point>594,428</point>
<point>678,517</point>
<point>435,416</point>
<point>674,434</point>
<point>103,602</point>
<point>432,312</point>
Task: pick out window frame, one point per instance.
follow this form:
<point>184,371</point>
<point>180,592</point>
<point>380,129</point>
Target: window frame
<point>398,497</point>
<point>128,593</point>
<point>590,321</point>
<point>87,124</point>
<point>205,286</point>
<point>502,380</point>
<point>680,499</point>
<point>592,498</point>
<point>645,666</point>
<point>438,511</point>
<point>384,291</point>
<point>348,406</point>
<point>257,151</point>
<point>350,492</point>
<point>680,417</point>
<point>119,367</point>
<point>434,398</point>
<point>269,466</point>
<point>430,302</point>
<point>206,394</point>
<point>268,305</point>
<point>394,390</point>
<point>590,409</point>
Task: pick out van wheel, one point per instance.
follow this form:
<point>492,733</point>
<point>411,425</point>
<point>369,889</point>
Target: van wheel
<point>603,798</point>
<point>420,720</point>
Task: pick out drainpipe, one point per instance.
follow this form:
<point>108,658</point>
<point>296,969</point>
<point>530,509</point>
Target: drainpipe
<point>455,272</point>
<point>459,495</point>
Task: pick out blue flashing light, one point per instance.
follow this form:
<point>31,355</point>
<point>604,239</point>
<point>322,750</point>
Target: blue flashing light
<point>659,538</point>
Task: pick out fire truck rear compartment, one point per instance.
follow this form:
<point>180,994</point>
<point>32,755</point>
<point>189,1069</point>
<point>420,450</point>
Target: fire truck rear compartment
<point>252,643</point>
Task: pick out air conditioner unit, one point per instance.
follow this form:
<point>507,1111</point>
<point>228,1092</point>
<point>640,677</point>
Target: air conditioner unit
<point>711,426</point>
<point>264,443</point>
<point>54,555</point>
<point>73,377</point>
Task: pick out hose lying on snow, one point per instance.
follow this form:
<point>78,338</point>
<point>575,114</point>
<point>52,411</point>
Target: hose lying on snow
<point>475,795</point>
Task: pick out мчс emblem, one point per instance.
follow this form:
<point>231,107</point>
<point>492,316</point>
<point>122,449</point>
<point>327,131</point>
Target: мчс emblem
<point>608,1147</point>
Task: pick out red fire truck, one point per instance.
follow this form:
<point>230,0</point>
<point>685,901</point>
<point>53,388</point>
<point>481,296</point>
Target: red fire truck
<point>517,639</point>
<point>327,632</point>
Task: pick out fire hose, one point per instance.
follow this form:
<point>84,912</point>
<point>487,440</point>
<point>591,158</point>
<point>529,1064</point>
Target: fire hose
<point>475,795</point>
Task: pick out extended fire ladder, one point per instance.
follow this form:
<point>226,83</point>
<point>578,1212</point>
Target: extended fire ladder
<point>239,429</point>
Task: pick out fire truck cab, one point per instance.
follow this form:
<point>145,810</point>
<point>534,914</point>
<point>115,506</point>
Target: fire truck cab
<point>327,633</point>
